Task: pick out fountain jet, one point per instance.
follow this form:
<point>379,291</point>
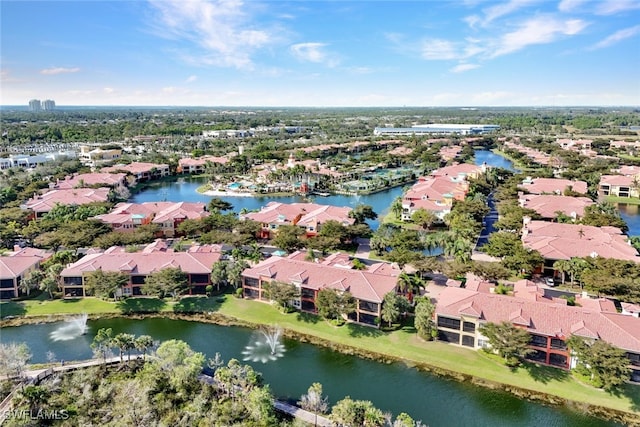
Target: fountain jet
<point>266,346</point>
<point>72,328</point>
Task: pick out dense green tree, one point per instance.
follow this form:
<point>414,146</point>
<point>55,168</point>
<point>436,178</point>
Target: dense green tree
<point>168,281</point>
<point>105,284</point>
<point>508,341</point>
<point>179,363</point>
<point>31,281</point>
<point>424,218</point>
<point>606,365</point>
<point>423,320</point>
<point>219,274</point>
<point>218,205</point>
<point>362,212</point>
<point>393,307</point>
<point>332,304</point>
<point>288,238</point>
<point>349,412</point>
<point>282,293</point>
<point>491,271</point>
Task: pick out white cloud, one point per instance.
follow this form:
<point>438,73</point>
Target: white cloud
<point>191,79</point>
<point>108,90</point>
<point>611,7</point>
<point>169,89</point>
<point>461,68</point>
<point>438,49</point>
<point>496,11</point>
<point>539,30</point>
<point>220,28</point>
<point>570,5</point>
<point>313,52</point>
<point>617,36</point>
<point>59,70</point>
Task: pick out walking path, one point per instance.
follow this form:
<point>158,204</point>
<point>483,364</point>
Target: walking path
<point>363,248</point>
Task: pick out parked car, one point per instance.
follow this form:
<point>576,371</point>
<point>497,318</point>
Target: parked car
<point>549,281</point>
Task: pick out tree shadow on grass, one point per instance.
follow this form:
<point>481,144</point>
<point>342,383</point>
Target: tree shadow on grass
<point>141,305</point>
<point>11,309</point>
<point>198,304</point>
<point>307,317</point>
<point>356,330</point>
<point>544,374</point>
<point>632,392</point>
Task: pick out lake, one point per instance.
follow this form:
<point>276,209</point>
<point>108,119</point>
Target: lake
<point>184,190</point>
<point>391,387</point>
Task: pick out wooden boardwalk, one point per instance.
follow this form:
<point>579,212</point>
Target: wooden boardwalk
<point>287,408</point>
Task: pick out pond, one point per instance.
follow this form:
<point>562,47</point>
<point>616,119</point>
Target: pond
<point>493,159</point>
<point>184,190</point>
<point>391,387</point>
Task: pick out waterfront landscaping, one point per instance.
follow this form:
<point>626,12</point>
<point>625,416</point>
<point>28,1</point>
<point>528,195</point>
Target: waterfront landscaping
<point>529,381</point>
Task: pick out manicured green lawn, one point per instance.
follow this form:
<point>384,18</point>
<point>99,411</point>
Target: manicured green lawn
<point>627,200</point>
<point>402,343</point>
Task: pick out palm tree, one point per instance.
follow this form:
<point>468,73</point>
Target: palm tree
<point>143,343</point>
<point>31,281</point>
<point>396,207</point>
<point>562,266</point>
<point>410,284</point>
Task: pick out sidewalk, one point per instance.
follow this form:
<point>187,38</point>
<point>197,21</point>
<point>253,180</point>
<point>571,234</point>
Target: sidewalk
<point>363,248</point>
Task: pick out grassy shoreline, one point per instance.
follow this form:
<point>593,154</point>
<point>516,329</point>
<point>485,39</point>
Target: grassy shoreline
<point>534,382</point>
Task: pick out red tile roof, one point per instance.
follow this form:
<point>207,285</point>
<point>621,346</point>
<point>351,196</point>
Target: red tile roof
<point>160,211</point>
<point>302,214</point>
<point>135,167</point>
<point>553,186</point>
<point>144,262</point>
<point>15,264</point>
<point>555,320</point>
<point>564,241</point>
<point>92,179</point>
<point>618,180</point>
<point>547,205</point>
<point>76,196</point>
<point>364,285</point>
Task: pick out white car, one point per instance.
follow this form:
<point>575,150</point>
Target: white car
<point>549,281</point>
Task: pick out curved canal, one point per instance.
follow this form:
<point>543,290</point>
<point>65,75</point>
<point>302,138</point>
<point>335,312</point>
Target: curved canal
<point>391,387</point>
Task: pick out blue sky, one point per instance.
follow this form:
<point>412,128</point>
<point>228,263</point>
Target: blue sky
<point>321,53</point>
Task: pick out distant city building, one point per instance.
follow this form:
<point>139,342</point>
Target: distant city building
<point>49,105</point>
<point>35,105</point>
<point>459,129</point>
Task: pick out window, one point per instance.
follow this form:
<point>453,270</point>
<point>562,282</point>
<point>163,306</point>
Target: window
<point>538,341</point>
<point>251,281</point>
<point>199,278</point>
<point>138,280</point>
<point>251,293</point>
<point>307,293</point>
<point>73,281</point>
<point>6,283</point>
<point>468,341</point>
<point>558,359</point>
<point>447,336</point>
<point>558,344</point>
<point>447,322</point>
<point>469,327</point>
<point>368,306</point>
